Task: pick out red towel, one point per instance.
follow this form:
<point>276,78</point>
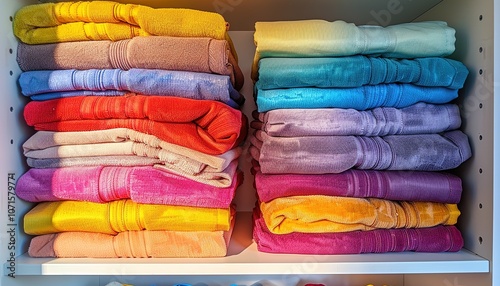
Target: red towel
<point>203,125</point>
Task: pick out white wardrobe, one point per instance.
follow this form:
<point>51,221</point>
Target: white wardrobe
<point>475,265</point>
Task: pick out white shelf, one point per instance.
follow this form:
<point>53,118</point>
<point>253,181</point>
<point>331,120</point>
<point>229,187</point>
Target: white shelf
<point>244,259</point>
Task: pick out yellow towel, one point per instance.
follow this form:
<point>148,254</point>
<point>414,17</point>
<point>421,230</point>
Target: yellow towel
<point>318,214</point>
<point>122,215</point>
<point>108,20</point>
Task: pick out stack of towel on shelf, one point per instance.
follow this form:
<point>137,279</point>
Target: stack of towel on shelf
<point>355,132</point>
<point>138,130</point>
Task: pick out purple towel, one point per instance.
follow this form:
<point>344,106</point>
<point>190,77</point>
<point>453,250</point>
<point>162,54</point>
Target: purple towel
<point>433,239</point>
<point>415,119</point>
<point>390,185</point>
<point>104,184</point>
<point>335,154</point>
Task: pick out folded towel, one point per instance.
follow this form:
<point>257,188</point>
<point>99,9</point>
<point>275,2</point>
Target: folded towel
<point>122,142</point>
<point>63,94</point>
<point>185,84</point>
<point>122,215</point>
<point>335,154</point>
<point>431,239</point>
<point>123,161</point>
<point>133,244</point>
<point>108,20</point>
<point>319,38</point>
<point>355,71</point>
<point>318,213</point>
<point>359,98</point>
<point>380,121</point>
<point>390,185</point>
<point>145,185</point>
<point>203,125</point>
<point>155,52</point>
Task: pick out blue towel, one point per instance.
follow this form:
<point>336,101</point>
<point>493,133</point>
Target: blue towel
<point>61,94</point>
<point>359,98</point>
<point>355,71</point>
<point>185,84</point>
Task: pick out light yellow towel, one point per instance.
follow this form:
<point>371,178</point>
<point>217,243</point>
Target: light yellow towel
<point>318,214</point>
<point>122,215</point>
<point>108,20</point>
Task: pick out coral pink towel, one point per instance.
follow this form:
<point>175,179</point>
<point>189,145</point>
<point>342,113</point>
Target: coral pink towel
<point>136,244</point>
<point>432,239</point>
<point>390,185</point>
<point>103,184</point>
<point>203,125</point>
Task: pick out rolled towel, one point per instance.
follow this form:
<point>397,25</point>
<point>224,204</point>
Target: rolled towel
<point>203,125</point>
<point>49,84</point>
<point>430,239</point>
<point>108,20</point>
<point>381,121</point>
<point>132,244</point>
<point>318,214</point>
<point>122,215</point>
<point>335,154</point>
<point>359,98</point>
<point>358,70</point>
<point>145,185</point>
<point>320,38</point>
<point>204,55</point>
<point>389,185</point>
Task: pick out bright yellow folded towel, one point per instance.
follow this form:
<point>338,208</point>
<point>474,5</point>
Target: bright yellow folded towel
<point>108,20</point>
<point>319,214</point>
<point>122,215</point>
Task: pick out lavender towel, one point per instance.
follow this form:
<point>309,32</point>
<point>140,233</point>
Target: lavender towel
<point>335,154</point>
<point>185,84</point>
<point>355,71</point>
<point>381,121</point>
<point>432,239</point>
<point>359,98</point>
<point>92,161</point>
<point>437,187</point>
<point>104,184</point>
<point>63,94</point>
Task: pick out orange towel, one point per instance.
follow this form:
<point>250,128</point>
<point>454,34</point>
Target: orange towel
<point>122,215</point>
<point>318,214</point>
<point>204,125</point>
<point>137,244</point>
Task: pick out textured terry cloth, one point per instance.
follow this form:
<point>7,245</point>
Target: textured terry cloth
<point>132,244</point>
<point>145,185</point>
<point>203,125</point>
<point>335,154</point>
<point>43,146</point>
<point>389,185</point>
<point>355,71</point>
<point>318,213</point>
<point>319,38</point>
<point>122,215</point>
<point>123,161</point>
<point>155,52</point>
<point>63,94</point>
<point>108,20</point>
<point>381,121</point>
<point>184,84</point>
<point>438,238</point>
<point>359,98</point>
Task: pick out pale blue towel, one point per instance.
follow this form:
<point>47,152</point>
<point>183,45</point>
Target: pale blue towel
<point>355,71</point>
<point>61,94</point>
<point>185,84</point>
<point>359,98</point>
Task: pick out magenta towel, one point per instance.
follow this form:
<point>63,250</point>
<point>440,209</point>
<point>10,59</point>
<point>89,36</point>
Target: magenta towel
<point>390,185</point>
<point>433,239</point>
<point>104,184</point>
<point>335,154</point>
<point>415,119</point>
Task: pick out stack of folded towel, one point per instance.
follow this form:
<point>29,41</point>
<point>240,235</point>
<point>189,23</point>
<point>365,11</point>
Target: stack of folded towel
<point>138,130</point>
<point>355,130</point>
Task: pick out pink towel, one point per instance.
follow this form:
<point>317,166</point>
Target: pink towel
<point>103,184</point>
<point>389,185</point>
<point>432,239</point>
